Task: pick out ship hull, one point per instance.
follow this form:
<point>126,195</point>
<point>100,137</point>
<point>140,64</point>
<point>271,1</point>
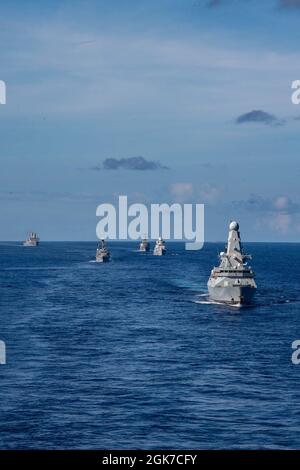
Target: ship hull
<point>233,295</point>
<point>102,259</point>
<point>159,252</point>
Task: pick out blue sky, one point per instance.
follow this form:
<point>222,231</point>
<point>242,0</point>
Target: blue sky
<point>165,80</point>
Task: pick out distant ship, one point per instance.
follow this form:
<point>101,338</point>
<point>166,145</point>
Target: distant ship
<point>144,245</point>
<point>102,253</point>
<point>32,240</point>
<point>159,248</point>
<point>233,281</point>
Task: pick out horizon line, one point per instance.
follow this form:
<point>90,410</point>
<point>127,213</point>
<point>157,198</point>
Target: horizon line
<point>150,240</point>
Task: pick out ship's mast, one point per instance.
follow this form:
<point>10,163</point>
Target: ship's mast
<point>234,245</point>
<point>234,256</point>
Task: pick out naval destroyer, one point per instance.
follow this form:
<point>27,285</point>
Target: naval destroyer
<point>144,245</point>
<point>232,282</point>
<point>102,253</point>
<point>32,240</point>
<point>160,248</point>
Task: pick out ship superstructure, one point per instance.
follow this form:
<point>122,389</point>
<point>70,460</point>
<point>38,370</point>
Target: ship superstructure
<point>32,240</point>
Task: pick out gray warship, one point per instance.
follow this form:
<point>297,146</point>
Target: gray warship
<point>102,253</point>
<point>232,282</point>
<point>144,245</point>
<point>160,248</point>
<point>32,240</point>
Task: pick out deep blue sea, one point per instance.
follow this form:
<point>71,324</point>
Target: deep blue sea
<point>130,355</point>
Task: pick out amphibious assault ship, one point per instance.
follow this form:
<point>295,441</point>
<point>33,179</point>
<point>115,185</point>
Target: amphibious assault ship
<point>32,240</point>
<point>232,282</point>
<point>102,253</point>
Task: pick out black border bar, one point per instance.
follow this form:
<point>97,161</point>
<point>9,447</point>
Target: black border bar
<point>153,458</point>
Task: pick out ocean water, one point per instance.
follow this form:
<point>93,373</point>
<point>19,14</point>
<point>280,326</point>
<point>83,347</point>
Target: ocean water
<point>131,355</point>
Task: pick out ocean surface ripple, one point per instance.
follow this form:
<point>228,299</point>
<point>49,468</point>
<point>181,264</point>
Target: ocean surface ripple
<point>132,355</point>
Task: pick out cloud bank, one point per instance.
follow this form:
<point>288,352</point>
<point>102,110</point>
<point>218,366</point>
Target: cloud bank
<point>281,204</point>
<point>289,3</point>
<point>279,213</point>
<point>132,163</point>
<point>285,4</point>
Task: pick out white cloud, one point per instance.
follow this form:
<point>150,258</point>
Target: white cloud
<point>280,223</point>
<point>282,203</point>
<point>58,69</point>
<point>210,194</point>
<point>182,191</point>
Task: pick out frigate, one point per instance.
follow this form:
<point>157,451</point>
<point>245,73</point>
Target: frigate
<point>32,240</point>
<point>102,253</point>
<point>232,282</point>
<point>160,248</point>
<point>144,245</point>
